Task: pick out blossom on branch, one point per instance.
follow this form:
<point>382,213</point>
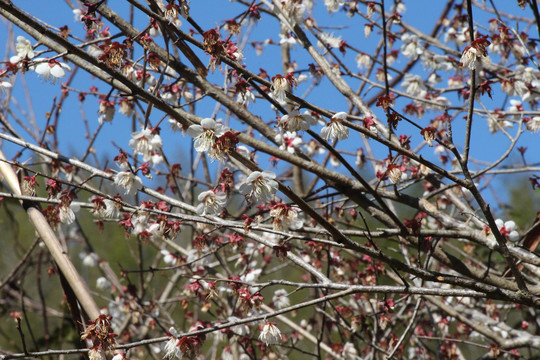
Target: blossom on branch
<point>335,128</point>
<point>270,334</point>
<point>212,203</point>
<point>260,185</point>
<point>128,182</point>
<point>206,134</point>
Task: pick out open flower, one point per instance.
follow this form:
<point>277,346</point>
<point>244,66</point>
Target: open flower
<point>413,84</point>
<point>24,48</point>
<point>335,128</point>
<point>146,142</point>
<point>260,185</point>
<point>171,348</point>
<point>411,48</point>
<point>128,181</point>
<point>281,299</point>
<point>206,134</point>
<point>270,334</point>
<point>52,69</point>
<point>288,141</point>
<point>294,121</point>
<point>211,203</point>
<point>285,217</point>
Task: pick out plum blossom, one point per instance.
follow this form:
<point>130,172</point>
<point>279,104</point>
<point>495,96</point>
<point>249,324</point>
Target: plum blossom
<point>296,9</point>
<point>294,121</point>
<point>329,40</point>
<point>211,202</point>
<point>281,299</point>
<point>534,124</point>
<point>89,259</point>
<point>260,185</point>
<point>285,217</point>
<point>5,85</point>
<point>206,134</point>
<point>413,84</point>
<point>363,60</point>
<point>51,69</point>
<point>506,228</point>
<point>146,142</point>
<point>333,5</point>
<point>128,181</point>
<point>106,110</point>
<point>411,47</point>
<point>335,128</point>
<point>103,284</point>
<point>349,351</point>
<point>270,334</point>
<point>279,88</point>
<point>170,348</point>
<point>24,48</point>
<point>168,257</point>
<point>66,212</point>
<point>287,39</point>
<point>288,141</point>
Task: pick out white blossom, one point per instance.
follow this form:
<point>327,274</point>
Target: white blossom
<point>534,124</point>
<point>168,257</point>
<point>288,141</point>
<point>349,351</point>
<point>128,181</point>
<point>281,299</point>
<point>411,47</point>
<point>294,121</point>
<point>285,217</point>
<point>89,259</point>
<point>329,40</point>
<point>66,214</point>
<point>77,15</point>
<point>413,84</point>
<point>333,5</point>
<point>145,142</point>
<point>5,85</point>
<point>260,185</point>
<point>363,60</point>
<point>279,88</point>
<point>96,354</point>
<point>51,69</point>
<point>287,39</point>
<point>170,348</point>
<point>24,48</point>
<point>102,283</point>
<point>470,58</point>
<point>211,203</point>
<point>206,134</point>
<point>335,128</point>
<point>270,334</point>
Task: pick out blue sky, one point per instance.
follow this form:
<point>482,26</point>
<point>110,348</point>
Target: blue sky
<point>420,13</point>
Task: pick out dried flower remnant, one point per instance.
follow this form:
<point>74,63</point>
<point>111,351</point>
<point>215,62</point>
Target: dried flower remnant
<point>113,54</point>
